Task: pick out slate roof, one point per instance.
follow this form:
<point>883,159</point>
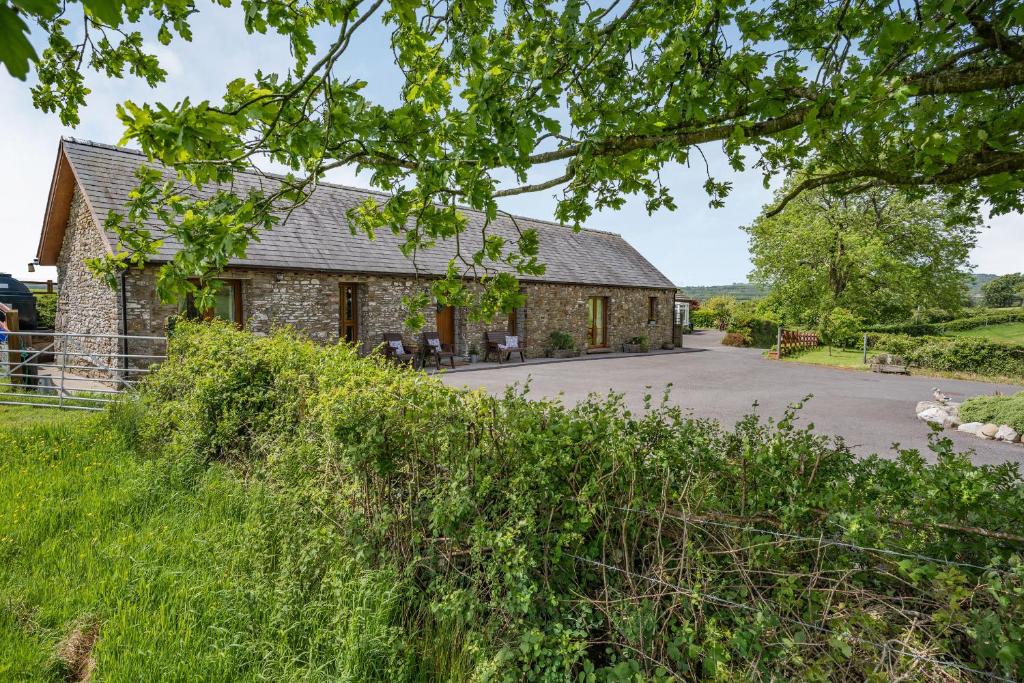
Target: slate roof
<point>317,237</point>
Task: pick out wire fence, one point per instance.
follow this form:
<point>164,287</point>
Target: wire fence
<point>74,371</point>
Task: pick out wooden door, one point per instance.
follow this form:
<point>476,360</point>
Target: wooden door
<point>349,313</point>
<point>446,325</point>
<point>597,322</point>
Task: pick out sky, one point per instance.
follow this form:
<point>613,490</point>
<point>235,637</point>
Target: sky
<point>694,245</point>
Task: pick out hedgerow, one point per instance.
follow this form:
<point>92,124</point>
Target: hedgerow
<point>954,354</point>
<point>591,542</point>
<point>924,328</point>
<point>1000,410</point>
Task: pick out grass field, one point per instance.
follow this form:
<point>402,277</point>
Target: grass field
<point>127,563</point>
<point>1008,333</point>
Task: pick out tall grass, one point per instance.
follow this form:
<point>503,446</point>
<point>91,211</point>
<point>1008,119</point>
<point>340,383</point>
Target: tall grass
<point>180,570</point>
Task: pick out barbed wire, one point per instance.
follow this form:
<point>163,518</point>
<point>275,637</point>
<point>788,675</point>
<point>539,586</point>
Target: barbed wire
<point>724,602</point>
<point>821,540</point>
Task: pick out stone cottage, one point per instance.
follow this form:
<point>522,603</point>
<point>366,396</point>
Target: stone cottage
<point>312,273</point>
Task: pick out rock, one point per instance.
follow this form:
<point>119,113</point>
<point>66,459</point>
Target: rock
<point>969,427</point>
<point>1007,433</point>
<point>925,405</point>
<point>988,431</point>
<point>936,415</point>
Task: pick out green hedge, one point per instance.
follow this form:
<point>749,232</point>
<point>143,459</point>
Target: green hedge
<point>1002,410</point>
<point>954,354</point>
<point>918,329</point>
<point>758,332</point>
<point>46,309</point>
<point>588,542</point>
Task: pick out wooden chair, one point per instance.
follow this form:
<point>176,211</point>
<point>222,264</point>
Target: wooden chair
<point>433,348</point>
<point>407,354</point>
<point>495,342</point>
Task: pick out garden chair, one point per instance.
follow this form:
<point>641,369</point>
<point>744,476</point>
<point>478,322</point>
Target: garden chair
<point>434,348</point>
<point>502,344</point>
<point>396,349</point>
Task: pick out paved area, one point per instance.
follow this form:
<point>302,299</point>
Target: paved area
<point>869,410</point>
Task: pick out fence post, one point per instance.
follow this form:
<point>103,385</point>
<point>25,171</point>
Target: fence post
<point>14,345</point>
<point>865,348</point>
<point>778,343</point>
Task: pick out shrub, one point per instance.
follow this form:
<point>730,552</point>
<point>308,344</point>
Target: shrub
<point>954,354</point>
<point>592,542</point>
<point>561,341</point>
<point>922,328</point>
<point>738,338</point>
<point>759,332</point>
<point>46,310</point>
<point>703,318</point>
<point>1002,410</point>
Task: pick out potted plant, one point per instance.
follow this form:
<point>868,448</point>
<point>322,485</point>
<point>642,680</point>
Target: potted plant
<point>561,345</point>
<point>474,354</point>
<point>636,344</point>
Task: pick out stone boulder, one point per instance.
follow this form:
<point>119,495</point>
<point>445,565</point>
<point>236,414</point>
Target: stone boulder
<point>936,415</point>
<point>988,431</point>
<point>1007,433</point>
<point>970,427</point>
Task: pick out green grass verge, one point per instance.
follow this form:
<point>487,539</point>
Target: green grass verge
<point>1007,333</point>
<point>166,561</point>
<point>839,358</point>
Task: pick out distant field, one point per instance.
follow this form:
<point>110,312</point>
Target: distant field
<point>1008,333</point>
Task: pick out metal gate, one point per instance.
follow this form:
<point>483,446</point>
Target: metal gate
<point>74,371</point>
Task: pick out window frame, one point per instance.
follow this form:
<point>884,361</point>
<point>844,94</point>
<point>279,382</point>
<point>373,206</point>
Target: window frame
<point>208,314</point>
<point>652,309</point>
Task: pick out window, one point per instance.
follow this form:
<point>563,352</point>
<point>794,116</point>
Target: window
<point>227,304</point>
<point>652,309</point>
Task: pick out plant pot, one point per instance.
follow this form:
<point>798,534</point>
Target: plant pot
<point>474,358</point>
<point>667,346</point>
<point>564,353</point>
<point>632,348</point>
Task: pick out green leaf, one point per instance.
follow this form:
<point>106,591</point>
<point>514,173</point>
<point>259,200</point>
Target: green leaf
<point>15,49</point>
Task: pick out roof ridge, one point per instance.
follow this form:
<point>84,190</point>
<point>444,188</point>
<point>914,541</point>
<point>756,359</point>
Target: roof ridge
<point>342,186</point>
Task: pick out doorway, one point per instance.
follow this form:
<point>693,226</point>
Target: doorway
<point>349,313</point>
<point>446,325</point>
<point>597,322</point>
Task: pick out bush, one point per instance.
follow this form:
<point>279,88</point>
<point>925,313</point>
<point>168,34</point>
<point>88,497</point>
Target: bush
<point>571,543</point>
<point>46,310</point>
<point>703,319</point>
<point>561,341</point>
<point>758,332</point>
<point>1002,410</point>
<point>954,354</point>
<point>839,327</point>
<point>739,338</point>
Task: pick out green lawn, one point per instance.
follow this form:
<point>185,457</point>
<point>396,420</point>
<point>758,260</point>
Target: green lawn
<point>842,358</point>
<point>1008,333</point>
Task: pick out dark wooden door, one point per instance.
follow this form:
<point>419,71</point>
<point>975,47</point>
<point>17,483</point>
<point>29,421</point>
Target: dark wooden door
<point>349,313</point>
<point>446,325</point>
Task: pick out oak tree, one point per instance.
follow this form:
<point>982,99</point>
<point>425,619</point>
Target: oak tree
<point>589,100</point>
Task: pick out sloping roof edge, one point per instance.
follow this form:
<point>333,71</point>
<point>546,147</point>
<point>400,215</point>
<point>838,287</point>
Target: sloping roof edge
<point>58,210</point>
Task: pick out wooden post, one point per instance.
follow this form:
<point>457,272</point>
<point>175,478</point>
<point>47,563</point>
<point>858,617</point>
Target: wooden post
<point>865,348</point>
<point>778,343</point>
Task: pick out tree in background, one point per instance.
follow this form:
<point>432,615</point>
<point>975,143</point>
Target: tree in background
<point>880,254</point>
<point>721,307</point>
<point>588,99</point>
<point>1006,290</point>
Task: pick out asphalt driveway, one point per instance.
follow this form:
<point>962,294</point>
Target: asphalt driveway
<point>869,410</point>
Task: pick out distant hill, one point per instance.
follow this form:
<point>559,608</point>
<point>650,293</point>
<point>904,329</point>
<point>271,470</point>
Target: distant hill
<point>741,291</point>
<point>978,279</point>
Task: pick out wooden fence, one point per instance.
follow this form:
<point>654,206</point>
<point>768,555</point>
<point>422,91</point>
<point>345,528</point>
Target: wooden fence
<point>789,341</point>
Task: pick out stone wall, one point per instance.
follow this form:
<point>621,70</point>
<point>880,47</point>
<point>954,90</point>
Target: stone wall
<point>85,304</point>
<point>557,307</point>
